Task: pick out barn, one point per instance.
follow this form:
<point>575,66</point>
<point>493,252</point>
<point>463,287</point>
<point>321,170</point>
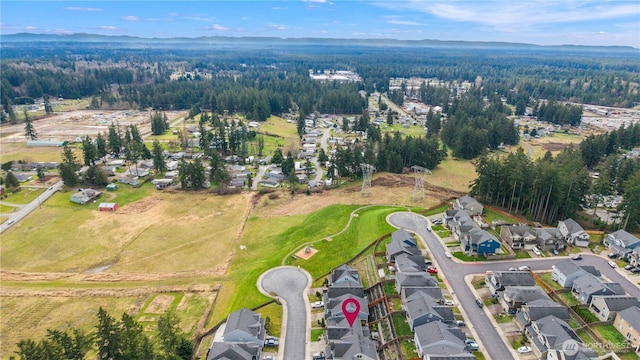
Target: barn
<point>108,206</point>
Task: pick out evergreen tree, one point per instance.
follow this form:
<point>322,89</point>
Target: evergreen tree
<point>101,146</point>
<point>89,150</point>
<point>29,130</point>
<point>11,182</point>
<point>114,139</point>
<point>159,162</point>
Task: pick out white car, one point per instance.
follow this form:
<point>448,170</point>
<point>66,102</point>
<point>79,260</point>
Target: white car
<point>612,264</point>
<point>447,254</point>
<point>524,349</point>
<point>317,305</point>
<point>449,303</point>
<point>524,268</point>
<point>537,251</point>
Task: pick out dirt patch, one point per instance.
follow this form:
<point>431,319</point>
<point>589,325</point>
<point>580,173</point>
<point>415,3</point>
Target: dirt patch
<point>553,146</point>
<point>160,304</point>
<point>140,206</point>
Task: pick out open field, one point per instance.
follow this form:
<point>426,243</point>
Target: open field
<point>554,142</point>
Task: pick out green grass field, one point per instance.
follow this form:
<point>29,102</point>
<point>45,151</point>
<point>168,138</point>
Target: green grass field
<point>24,196</point>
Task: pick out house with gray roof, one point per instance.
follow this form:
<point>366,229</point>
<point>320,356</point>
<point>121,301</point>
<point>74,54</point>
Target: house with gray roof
<point>473,240</point>
<point>422,309</point>
<point>497,280</point>
<point>627,322</point>
<point>344,280</point>
<point>414,280</point>
<point>437,340</point>
<point>513,297</point>
<point>538,309</point>
<point>434,292</point>
<point>573,233</point>
<point>242,337</point>
<point>352,347</point>
<point>401,243</point>
<point>622,243</point>
<point>469,204</point>
<point>634,257</point>
<point>333,307</point>
<point>518,237</point>
<point>410,263</point>
<point>605,307</point>
<point>84,196</point>
<point>233,351</point>
<point>549,333</point>
<point>549,239</point>
<point>566,271</point>
<point>588,285</point>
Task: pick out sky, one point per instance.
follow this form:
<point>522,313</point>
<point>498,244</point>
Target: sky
<point>541,22</point>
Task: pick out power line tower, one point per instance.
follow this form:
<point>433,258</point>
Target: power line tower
<point>367,172</point>
<point>420,174</point>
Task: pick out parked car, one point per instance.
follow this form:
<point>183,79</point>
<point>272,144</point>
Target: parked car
<point>612,255</point>
<point>628,267</point>
<point>449,303</point>
<point>432,270</point>
<point>537,251</point>
<point>10,222</point>
<point>268,357</point>
<point>524,349</point>
<point>317,305</point>
<point>612,264</point>
<point>635,270</point>
<point>555,252</point>
<point>512,269</point>
<point>447,254</point>
<point>459,323</point>
<point>472,345</point>
<point>524,268</point>
<point>577,257</point>
<point>271,342</point>
<point>479,302</point>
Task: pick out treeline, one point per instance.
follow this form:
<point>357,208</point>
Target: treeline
<point>471,127</point>
<point>545,190</point>
<point>595,147</point>
<point>114,339</point>
<point>555,113</point>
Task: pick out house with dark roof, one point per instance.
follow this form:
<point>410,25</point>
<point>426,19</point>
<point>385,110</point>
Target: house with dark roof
<point>333,307</point>
<point>352,347</point>
<point>473,240</point>
<point>410,263</point>
<point>422,309</point>
<point>84,196</point>
<point>538,309</point>
<point>627,322</point>
<point>549,239</point>
<point>605,307</point>
<point>588,285</point>
<point>513,297</point>
<point>469,204</point>
<point>573,233</point>
<point>242,338</point>
<point>497,280</point>
<point>566,271</point>
<point>549,333</point>
<point>414,280</point>
<point>401,243</point>
<point>518,237</point>
<point>344,280</point>
<point>437,340</point>
<point>434,292</point>
<point>634,257</point>
<point>622,243</point>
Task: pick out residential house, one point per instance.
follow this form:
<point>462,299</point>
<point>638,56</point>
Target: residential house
<point>84,196</point>
<point>333,307</point>
<point>473,239</point>
<point>607,306</point>
<point>352,347</point>
<point>437,340</point>
<point>422,309</point>
<point>242,338</point>
<point>549,239</point>
<point>414,280</point>
<point>497,280</point>
<point>634,257</point>
<point>566,271</point>
<point>549,333</point>
<point>344,280</point>
<point>622,243</point>
<point>434,292</point>
<point>579,352</point>
<point>538,309</point>
<point>518,237</point>
<point>627,322</point>
<point>410,263</point>
<point>469,204</point>
<point>588,285</point>
<point>513,297</point>
<point>573,233</point>
<point>129,179</point>
<point>401,243</point>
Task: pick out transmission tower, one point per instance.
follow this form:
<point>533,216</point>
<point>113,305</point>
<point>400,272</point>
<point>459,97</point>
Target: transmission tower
<point>420,174</point>
<point>367,172</point>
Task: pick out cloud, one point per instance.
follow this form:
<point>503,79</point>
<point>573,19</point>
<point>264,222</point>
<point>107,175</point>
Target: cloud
<point>130,18</point>
<point>278,27</point>
<point>200,18</point>
<point>279,8</point>
<point>78,8</point>
<point>107,27</point>
<point>153,19</point>
<point>403,22</point>
<point>218,27</point>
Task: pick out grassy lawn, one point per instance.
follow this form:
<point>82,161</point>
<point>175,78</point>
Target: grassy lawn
<point>478,282</point>
<point>628,356</point>
<point>24,196</point>
<point>438,210</point>
<point>609,333</point>
<point>443,233</point>
<point>389,288</point>
<point>502,318</point>
<point>415,131</point>
<point>401,325</point>
<point>453,174</point>
<point>586,315</point>
<point>490,216</point>
<point>547,277</point>
<point>437,228</point>
<point>7,209</point>
<point>522,254</point>
<point>409,349</point>
<point>274,312</point>
<point>569,299</point>
<point>20,151</point>
<point>396,304</point>
<point>464,257</point>
<point>316,334</point>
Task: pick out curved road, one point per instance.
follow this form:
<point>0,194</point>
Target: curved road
<point>455,272</point>
<point>291,285</point>
<point>25,210</point>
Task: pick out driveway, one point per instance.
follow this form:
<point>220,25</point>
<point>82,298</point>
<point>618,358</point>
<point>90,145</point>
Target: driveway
<point>455,271</point>
<point>290,284</point>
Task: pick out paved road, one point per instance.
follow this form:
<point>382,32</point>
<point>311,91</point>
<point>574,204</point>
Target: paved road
<point>455,272</point>
<point>25,210</point>
<point>261,170</point>
<point>290,284</point>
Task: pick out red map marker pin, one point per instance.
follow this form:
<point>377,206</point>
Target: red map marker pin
<point>351,312</point>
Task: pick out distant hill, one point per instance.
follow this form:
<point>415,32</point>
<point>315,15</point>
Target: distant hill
<point>242,41</point>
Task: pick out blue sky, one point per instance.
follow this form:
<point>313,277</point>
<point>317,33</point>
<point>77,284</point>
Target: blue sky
<point>542,22</point>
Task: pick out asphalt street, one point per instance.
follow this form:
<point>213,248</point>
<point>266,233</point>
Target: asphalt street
<point>28,208</point>
<point>455,272</point>
<point>289,284</point>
